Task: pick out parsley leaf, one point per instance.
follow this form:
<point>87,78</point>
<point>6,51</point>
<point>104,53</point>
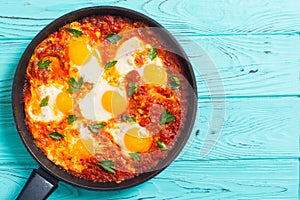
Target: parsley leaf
<point>74,32</point>
<point>110,64</point>
<point>72,118</point>
<point>132,88</point>
<point>135,156</point>
<point>72,90</point>
<point>152,53</point>
<point>56,135</point>
<point>74,85</point>
<point>128,118</point>
<point>174,82</point>
<point>107,165</point>
<point>166,117</point>
<point>44,102</point>
<point>113,38</point>
<point>95,127</point>
<point>162,145</point>
<point>72,81</point>
<point>44,65</point>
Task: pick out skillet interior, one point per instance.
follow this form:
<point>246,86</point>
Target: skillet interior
<point>18,105</point>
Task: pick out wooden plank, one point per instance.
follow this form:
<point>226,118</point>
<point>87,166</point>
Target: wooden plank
<point>252,128</point>
<point>244,179</point>
<point>257,155</point>
<point>10,53</point>
<point>226,17</point>
<point>26,19</point>
<point>246,65</point>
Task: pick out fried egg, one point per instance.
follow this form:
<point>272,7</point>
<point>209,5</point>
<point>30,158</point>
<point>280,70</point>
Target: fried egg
<point>131,137</point>
<point>91,70</point>
<point>152,71</point>
<point>59,103</point>
<point>82,147</point>
<point>86,60</point>
<point>79,51</point>
<point>86,144</point>
<point>124,55</point>
<point>103,102</point>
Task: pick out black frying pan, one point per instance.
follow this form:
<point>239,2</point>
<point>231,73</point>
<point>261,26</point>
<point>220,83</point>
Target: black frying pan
<point>44,180</point>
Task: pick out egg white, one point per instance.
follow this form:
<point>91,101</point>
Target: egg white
<point>91,105</point>
<point>91,70</point>
<point>85,135</point>
<point>124,55</point>
<point>49,112</point>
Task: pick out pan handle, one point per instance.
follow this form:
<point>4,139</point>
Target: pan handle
<point>39,186</point>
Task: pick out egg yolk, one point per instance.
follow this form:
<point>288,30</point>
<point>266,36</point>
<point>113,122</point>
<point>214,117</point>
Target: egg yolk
<point>83,148</point>
<point>113,102</point>
<point>64,102</point>
<point>136,141</point>
<point>79,52</point>
<point>154,74</point>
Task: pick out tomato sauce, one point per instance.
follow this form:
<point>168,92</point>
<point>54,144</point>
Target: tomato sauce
<point>146,105</point>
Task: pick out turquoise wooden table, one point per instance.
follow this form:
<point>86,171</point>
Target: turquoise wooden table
<point>255,48</point>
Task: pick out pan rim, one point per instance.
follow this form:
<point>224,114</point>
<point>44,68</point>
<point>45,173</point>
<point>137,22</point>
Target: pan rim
<point>18,107</point>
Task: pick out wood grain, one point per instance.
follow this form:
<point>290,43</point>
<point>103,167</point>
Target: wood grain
<point>262,179</point>
<point>26,19</point>
<point>248,65</point>
<point>227,17</point>
<point>252,128</point>
<point>254,46</point>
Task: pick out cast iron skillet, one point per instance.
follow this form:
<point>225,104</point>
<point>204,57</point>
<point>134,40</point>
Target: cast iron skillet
<point>44,180</point>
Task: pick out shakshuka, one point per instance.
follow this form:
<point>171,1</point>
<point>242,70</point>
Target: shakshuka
<point>105,98</point>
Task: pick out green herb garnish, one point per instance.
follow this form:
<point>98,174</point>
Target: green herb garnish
<point>166,117</point>
<point>135,156</point>
<point>72,118</point>
<point>44,65</point>
<point>107,165</point>
<point>152,53</point>
<point>44,102</point>
<point>110,64</point>
<point>74,85</point>
<point>128,118</point>
<point>162,145</point>
<point>132,88</point>
<point>94,128</point>
<point>174,82</point>
<point>113,38</point>
<point>74,32</point>
<point>56,135</point>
